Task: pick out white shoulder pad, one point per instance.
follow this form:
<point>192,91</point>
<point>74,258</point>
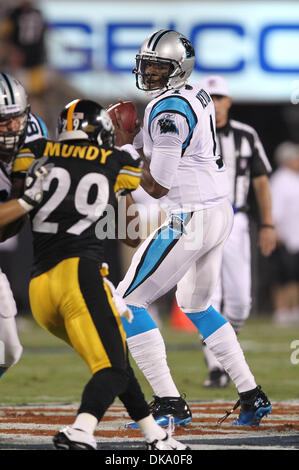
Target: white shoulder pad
<point>36,128</point>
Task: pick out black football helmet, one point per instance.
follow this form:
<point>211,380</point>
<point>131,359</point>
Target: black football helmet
<point>13,106</point>
<point>86,120</point>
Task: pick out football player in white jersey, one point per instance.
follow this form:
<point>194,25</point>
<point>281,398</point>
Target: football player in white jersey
<point>182,168</point>
<point>17,125</point>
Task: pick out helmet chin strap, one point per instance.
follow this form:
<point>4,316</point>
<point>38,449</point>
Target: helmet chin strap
<point>99,139</point>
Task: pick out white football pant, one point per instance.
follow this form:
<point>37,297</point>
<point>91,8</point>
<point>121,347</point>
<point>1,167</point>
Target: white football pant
<point>232,296</point>
<point>10,346</point>
<point>187,255</point>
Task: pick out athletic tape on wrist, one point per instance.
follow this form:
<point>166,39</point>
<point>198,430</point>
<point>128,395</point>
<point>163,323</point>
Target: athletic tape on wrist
<point>27,207</point>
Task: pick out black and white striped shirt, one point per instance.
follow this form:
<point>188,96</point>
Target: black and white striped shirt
<point>244,157</point>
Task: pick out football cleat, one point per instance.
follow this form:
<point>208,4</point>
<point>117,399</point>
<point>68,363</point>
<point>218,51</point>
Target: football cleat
<point>74,439</point>
<point>163,408</point>
<point>218,378</point>
<point>168,443</point>
<point>254,406</point>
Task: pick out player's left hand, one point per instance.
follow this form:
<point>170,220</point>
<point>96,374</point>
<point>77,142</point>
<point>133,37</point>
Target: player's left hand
<point>267,240</point>
<point>122,136</point>
<point>33,191</point>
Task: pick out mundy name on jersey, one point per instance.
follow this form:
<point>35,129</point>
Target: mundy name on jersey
<point>85,179</point>
<point>179,140</point>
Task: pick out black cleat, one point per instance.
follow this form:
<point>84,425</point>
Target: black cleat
<point>74,439</point>
<point>254,406</point>
<point>163,408</point>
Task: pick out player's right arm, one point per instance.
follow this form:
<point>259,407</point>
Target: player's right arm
<point>22,162</point>
<point>17,208</point>
<point>170,126</point>
<point>127,180</point>
<point>132,222</point>
<point>130,170</point>
<point>9,212</point>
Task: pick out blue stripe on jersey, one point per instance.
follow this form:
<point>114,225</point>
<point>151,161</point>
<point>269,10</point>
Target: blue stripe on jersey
<point>175,104</point>
<point>156,249</point>
<point>43,126</point>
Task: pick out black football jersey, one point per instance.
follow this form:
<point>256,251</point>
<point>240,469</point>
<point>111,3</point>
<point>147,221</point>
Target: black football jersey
<point>79,192</point>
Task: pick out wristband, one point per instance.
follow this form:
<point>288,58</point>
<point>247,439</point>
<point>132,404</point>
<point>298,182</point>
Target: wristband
<point>27,207</point>
<point>267,226</point>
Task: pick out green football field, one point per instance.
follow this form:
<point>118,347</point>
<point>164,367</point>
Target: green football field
<point>50,372</point>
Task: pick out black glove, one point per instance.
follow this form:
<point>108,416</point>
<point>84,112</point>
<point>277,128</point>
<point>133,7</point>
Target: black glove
<point>33,191</point>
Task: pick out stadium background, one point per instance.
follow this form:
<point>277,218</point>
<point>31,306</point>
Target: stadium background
<point>90,53</point>
<point>90,49</point>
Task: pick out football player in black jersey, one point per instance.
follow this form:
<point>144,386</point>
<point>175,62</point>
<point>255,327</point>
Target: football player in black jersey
<point>70,294</point>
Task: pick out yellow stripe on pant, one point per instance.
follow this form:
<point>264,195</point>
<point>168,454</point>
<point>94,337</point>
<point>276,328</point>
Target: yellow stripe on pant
<point>71,302</point>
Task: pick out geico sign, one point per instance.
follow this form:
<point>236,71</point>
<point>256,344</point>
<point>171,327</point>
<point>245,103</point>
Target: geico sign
<point>85,56</point>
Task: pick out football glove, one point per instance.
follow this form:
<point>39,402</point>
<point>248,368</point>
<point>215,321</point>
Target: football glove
<point>33,191</point>
<point>120,304</point>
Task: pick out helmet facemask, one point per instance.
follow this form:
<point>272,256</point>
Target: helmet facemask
<point>14,113</point>
<point>169,51</point>
<point>164,71</point>
<point>13,138</point>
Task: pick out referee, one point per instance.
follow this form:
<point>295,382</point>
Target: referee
<point>247,164</point>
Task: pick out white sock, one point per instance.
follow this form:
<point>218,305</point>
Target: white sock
<point>212,362</point>
<point>150,429</point>
<point>226,348</point>
<point>86,422</point>
<point>149,353</point>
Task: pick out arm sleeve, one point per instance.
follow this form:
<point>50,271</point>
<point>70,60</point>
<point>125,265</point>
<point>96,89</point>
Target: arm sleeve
<point>138,140</point>
<point>27,155</point>
<point>129,175</point>
<point>169,132</point>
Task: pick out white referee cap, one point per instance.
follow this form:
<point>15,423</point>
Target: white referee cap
<point>215,85</point>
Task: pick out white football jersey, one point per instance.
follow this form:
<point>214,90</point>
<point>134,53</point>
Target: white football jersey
<point>36,129</point>
<point>179,141</point>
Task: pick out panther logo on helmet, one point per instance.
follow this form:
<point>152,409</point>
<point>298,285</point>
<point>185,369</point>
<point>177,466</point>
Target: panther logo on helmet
<point>188,46</point>
<point>165,61</point>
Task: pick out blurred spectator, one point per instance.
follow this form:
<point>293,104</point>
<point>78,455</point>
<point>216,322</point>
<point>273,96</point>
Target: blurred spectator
<point>284,262</point>
<point>24,53</point>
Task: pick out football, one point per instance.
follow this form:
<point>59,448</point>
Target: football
<point>128,114</point>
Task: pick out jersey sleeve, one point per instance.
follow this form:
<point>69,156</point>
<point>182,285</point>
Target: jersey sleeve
<point>138,140</point>
<point>36,129</point>
<point>27,155</point>
<point>171,124</point>
<point>129,175</point>
<point>36,132</point>
<point>260,164</point>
